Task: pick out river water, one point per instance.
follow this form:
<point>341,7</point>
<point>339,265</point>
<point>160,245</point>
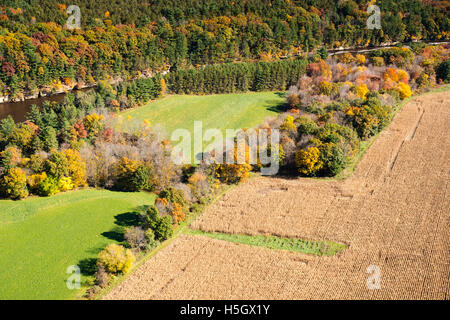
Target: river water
<point>19,110</point>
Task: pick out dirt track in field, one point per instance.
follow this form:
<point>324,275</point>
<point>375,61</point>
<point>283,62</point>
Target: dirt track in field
<point>393,212</point>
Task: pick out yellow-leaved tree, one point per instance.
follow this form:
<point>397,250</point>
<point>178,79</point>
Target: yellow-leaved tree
<point>308,161</point>
<point>116,259</point>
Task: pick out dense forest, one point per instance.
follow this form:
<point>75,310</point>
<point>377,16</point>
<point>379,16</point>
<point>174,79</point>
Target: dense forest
<point>125,39</point>
<point>237,77</point>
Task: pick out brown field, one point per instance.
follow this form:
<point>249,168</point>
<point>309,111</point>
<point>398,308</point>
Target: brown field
<point>393,212</point>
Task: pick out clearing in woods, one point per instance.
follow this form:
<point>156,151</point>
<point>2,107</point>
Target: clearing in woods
<point>221,111</point>
<point>393,213</point>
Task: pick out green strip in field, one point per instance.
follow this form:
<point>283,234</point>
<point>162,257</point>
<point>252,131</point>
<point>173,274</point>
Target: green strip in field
<point>319,248</point>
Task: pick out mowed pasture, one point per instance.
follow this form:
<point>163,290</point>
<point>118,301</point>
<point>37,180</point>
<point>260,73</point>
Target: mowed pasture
<point>222,111</point>
<point>392,214</point>
<point>41,237</point>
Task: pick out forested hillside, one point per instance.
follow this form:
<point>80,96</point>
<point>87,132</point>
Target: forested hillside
<point>124,38</point>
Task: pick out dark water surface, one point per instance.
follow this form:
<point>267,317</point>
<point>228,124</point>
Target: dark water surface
<point>18,110</point>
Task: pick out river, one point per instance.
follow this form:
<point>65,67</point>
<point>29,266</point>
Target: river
<point>19,110</point>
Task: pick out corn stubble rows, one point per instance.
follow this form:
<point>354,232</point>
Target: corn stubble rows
<point>393,212</point>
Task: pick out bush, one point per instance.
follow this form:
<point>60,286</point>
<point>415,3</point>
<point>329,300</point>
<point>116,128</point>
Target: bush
<point>131,175</point>
<point>161,226</point>
<point>14,184</point>
<point>178,213</point>
<point>293,100</point>
<point>377,61</point>
<point>443,71</point>
<point>360,59</point>
<point>36,163</point>
<point>140,179</point>
<point>102,278</point>
<point>335,133</point>
<point>34,181</point>
<point>174,195</point>
<point>288,124</point>
<point>333,157</point>
<point>370,118</point>
<point>136,238</point>
<point>362,91</point>
<point>423,81</point>
<point>308,161</point>
<point>57,166</point>
<point>164,230</point>
<point>346,58</point>
<point>65,184</point>
<point>398,56</point>
<point>325,88</point>
<point>404,90</point>
<point>306,126</point>
<point>232,173</point>
<point>116,259</point>
<point>151,240</point>
<point>48,187</point>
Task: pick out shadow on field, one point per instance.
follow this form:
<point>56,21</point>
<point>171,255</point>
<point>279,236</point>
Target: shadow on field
<point>276,106</point>
<point>88,266</point>
<point>122,221</point>
<point>128,219</point>
<point>115,234</point>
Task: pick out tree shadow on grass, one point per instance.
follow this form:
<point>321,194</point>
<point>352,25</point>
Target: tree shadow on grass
<point>128,219</point>
<point>115,234</point>
<point>122,221</point>
<point>88,266</point>
<point>276,106</point>
<point>95,250</point>
<point>281,94</point>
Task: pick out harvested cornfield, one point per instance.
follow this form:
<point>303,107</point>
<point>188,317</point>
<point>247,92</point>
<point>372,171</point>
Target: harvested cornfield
<point>224,268</point>
<point>392,213</point>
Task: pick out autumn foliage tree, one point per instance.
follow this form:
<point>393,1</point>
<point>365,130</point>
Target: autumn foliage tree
<point>308,161</point>
<point>14,184</point>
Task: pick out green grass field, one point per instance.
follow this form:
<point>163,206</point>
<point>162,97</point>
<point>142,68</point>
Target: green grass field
<point>41,237</point>
<point>223,111</point>
<point>319,248</point>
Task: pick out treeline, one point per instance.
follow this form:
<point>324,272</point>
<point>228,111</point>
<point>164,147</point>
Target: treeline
<point>122,38</point>
<point>79,142</point>
<point>346,100</point>
<point>237,77</point>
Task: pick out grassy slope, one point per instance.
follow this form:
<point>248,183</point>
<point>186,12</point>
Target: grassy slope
<point>223,111</point>
<point>41,237</point>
